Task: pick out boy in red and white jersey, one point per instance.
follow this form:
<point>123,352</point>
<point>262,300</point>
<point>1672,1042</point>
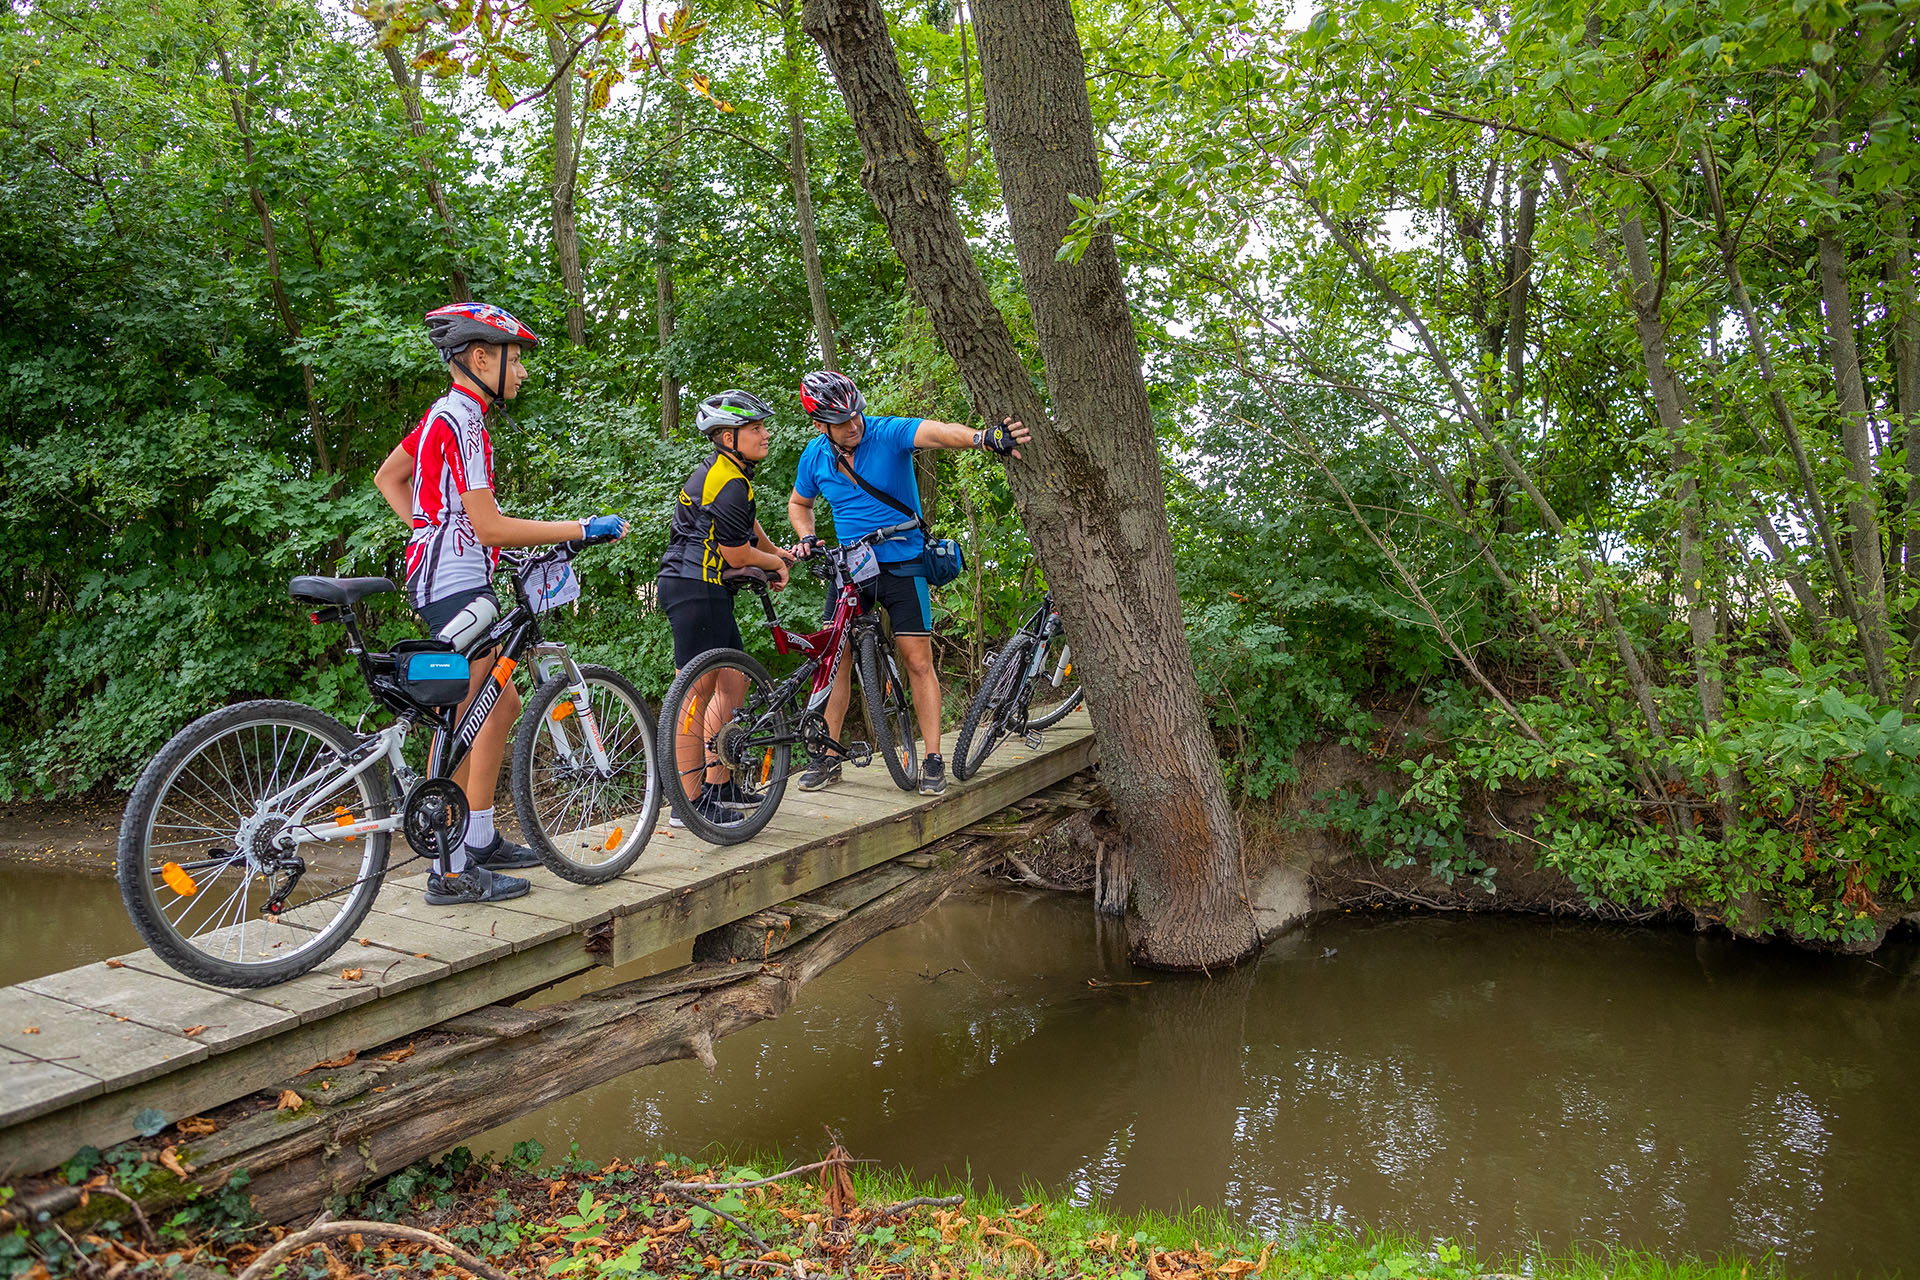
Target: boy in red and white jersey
<point>440,479</point>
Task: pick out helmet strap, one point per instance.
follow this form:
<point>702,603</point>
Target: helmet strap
<point>732,454</point>
<point>496,400</point>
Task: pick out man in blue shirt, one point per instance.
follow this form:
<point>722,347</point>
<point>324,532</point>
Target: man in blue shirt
<point>879,451</point>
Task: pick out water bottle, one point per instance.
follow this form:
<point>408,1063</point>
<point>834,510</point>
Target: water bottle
<point>471,622</point>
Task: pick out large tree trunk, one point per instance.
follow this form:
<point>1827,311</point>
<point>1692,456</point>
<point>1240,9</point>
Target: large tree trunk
<point>237,102</point>
<point>1091,492</point>
<point>566,169</point>
<point>663,274</point>
<point>803,197</point>
<point>430,176</point>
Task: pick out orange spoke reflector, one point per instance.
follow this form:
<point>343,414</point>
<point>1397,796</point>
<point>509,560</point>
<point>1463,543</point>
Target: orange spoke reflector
<point>562,711</point>
<point>341,817</point>
<point>766,766</point>
<point>693,713</point>
<point>178,880</point>
<point>613,841</point>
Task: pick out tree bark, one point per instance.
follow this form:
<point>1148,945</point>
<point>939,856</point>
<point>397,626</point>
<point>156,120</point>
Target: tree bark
<point>1091,491</point>
<point>663,274</point>
<point>566,170</point>
<point>236,101</point>
<point>823,326</point>
<point>457,285</point>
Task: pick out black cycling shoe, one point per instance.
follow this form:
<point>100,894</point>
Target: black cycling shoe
<point>823,772</point>
<point>933,776</point>
<point>731,795</point>
<point>474,885</point>
<point>709,807</point>
<point>502,856</point>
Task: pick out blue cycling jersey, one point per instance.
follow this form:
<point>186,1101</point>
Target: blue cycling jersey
<point>884,459</point>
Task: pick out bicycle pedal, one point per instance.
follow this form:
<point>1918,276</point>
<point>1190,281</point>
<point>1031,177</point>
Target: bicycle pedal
<point>1032,738</point>
<point>859,754</point>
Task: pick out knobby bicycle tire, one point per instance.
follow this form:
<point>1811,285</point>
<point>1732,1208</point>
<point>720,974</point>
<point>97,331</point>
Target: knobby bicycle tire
<point>177,794</point>
<point>889,714</point>
<point>771,781</point>
<point>985,725</point>
<point>579,814</point>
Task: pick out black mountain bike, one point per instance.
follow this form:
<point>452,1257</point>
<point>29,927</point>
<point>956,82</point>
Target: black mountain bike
<point>255,842</point>
<point>749,723</point>
<point>1035,666</point>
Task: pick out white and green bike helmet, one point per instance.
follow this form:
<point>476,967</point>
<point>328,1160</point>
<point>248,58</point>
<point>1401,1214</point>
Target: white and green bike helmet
<point>728,410</point>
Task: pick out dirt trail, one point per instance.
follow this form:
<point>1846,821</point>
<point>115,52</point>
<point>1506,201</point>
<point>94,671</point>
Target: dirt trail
<point>70,835</point>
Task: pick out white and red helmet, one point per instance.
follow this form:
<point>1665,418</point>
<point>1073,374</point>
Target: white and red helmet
<point>830,397</point>
<point>457,326</point>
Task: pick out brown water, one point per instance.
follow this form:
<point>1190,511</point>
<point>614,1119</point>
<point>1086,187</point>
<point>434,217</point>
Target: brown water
<point>1493,1081</point>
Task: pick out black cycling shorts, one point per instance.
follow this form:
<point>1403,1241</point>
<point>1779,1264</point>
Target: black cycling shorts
<point>701,615</point>
<point>909,607</point>
<point>438,613</point>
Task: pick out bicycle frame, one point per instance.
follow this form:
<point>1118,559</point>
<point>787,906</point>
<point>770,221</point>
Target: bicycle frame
<point>515,635</point>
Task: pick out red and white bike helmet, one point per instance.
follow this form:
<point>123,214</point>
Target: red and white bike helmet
<point>457,326</point>
<point>830,397</point>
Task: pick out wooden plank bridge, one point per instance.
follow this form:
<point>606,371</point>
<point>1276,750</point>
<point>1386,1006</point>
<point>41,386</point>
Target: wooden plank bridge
<point>127,1046</point>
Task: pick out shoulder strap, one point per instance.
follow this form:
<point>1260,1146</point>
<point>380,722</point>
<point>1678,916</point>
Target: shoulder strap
<point>840,465</point>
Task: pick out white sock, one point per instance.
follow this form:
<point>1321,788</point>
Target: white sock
<point>458,862</point>
<point>480,829</point>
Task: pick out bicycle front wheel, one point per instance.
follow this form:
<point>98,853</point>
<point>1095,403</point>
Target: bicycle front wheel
<point>722,715</point>
<point>888,712</point>
<point>587,812</point>
<point>985,725</point>
<point>1053,691</point>
<point>211,866</point>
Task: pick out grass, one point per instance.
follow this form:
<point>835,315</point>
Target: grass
<point>622,1219</point>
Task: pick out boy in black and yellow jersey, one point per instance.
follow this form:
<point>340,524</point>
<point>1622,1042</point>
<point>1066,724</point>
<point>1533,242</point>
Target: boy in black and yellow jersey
<point>714,529</point>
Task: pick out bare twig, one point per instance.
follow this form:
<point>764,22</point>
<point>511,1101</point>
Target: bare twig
<point>757,1182</point>
<point>264,1265</point>
<point>918,1202</point>
<point>146,1228</point>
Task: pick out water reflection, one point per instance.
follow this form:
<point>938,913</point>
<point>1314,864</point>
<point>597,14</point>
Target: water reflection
<point>1499,1081</point>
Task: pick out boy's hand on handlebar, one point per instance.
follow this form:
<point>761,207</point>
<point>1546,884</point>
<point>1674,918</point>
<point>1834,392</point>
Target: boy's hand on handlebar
<point>806,546</point>
<point>608,527</point>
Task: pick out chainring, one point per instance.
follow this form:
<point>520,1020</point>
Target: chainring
<point>436,810</point>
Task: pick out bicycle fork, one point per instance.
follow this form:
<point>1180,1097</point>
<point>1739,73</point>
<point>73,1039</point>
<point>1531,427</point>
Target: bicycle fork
<point>554,660</point>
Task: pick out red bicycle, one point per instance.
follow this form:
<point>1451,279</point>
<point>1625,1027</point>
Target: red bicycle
<point>746,724</point>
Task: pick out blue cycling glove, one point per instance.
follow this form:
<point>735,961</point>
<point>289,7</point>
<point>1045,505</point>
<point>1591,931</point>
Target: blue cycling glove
<point>604,527</point>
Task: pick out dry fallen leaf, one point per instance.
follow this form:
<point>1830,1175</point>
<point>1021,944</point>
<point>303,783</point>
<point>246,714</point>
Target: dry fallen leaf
<point>366,942</point>
<point>116,964</point>
<point>194,1030</point>
<point>352,975</point>
<point>380,1088</point>
<point>329,1064</point>
<point>119,1017</point>
<point>398,1055</point>
<point>421,955</point>
<point>555,1190</point>
<point>290,1101</point>
<point>170,1161</point>
<point>196,1126</point>
<point>31,1031</point>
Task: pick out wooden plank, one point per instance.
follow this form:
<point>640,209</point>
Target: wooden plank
<point>115,1050</point>
<point>458,949</point>
<point>35,1087</point>
<point>506,923</point>
<point>166,1002</point>
<point>499,1020</point>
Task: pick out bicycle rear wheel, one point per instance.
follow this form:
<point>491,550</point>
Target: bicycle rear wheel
<point>1048,702</point>
<point>889,714</point>
<point>722,709</point>
<point>986,724</point>
<point>205,849</point>
<point>587,823</point>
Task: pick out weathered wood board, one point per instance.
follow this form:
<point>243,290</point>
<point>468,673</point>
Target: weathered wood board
<point>112,1055</point>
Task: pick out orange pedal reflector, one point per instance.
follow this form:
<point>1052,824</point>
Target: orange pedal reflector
<point>613,840</point>
<point>341,817</point>
<point>562,710</point>
<point>178,880</point>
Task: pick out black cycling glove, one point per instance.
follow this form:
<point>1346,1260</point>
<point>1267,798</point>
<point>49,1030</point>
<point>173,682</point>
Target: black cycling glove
<point>998,437</point>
